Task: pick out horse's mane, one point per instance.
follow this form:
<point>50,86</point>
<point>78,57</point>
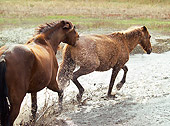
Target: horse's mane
<point>43,29</point>
<point>46,27</point>
<point>130,32</point>
<point>131,29</point>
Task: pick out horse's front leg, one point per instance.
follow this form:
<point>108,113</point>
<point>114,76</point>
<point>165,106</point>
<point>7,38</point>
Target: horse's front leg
<point>120,84</point>
<point>34,105</point>
<point>115,71</point>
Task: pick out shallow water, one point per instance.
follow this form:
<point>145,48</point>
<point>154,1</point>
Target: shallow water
<point>143,100</point>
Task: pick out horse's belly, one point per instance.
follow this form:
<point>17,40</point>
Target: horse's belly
<point>103,68</point>
<point>40,79</point>
<point>38,83</point>
<point>35,89</point>
<point>107,63</point>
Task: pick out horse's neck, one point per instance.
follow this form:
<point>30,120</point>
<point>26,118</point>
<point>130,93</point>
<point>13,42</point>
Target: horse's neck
<point>54,41</point>
<point>42,39</point>
<point>38,39</point>
<point>132,38</point>
<point>54,37</point>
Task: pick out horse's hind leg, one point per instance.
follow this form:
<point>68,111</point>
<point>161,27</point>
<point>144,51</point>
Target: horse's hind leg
<point>60,100</point>
<point>81,89</point>
<point>81,71</point>
<point>14,111</point>
<point>115,71</point>
<point>34,105</point>
<point>15,107</point>
<point>120,84</point>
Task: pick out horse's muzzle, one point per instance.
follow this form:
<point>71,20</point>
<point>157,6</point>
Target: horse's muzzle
<point>149,51</point>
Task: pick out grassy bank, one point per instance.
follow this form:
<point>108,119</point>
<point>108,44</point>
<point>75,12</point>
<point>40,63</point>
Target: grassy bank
<point>89,22</point>
<point>88,14</point>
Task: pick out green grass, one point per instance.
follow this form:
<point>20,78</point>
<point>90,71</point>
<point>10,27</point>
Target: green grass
<point>154,24</point>
<point>87,22</point>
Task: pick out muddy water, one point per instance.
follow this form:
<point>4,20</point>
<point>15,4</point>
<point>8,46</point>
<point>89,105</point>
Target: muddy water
<point>143,100</point>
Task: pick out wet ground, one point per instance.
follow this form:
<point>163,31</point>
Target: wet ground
<point>142,101</point>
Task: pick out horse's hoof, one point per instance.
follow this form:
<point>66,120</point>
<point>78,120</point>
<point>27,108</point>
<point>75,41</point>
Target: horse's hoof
<point>119,86</point>
<point>60,109</point>
<point>79,98</point>
<point>32,123</point>
<point>83,102</point>
<point>111,96</point>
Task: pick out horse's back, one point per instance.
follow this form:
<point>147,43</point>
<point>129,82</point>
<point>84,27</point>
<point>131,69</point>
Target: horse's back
<point>108,51</point>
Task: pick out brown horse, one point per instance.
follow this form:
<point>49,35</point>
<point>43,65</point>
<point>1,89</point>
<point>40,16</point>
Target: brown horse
<point>30,67</point>
<point>100,53</point>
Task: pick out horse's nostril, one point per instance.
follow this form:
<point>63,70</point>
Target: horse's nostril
<point>77,38</point>
<point>149,51</point>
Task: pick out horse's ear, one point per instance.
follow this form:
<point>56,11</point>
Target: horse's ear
<point>66,24</point>
<point>144,28</point>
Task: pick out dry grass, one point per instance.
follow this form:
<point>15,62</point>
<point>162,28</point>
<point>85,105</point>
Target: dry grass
<point>108,8</point>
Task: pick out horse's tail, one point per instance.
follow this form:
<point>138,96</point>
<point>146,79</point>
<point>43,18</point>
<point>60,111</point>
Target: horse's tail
<point>65,72</point>
<point>4,107</point>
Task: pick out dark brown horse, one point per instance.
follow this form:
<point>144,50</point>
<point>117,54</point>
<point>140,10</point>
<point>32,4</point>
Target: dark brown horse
<point>30,67</point>
<point>101,53</point>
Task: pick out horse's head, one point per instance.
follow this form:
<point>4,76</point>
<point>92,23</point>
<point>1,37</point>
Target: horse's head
<point>56,32</point>
<point>145,40</point>
<point>70,34</point>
